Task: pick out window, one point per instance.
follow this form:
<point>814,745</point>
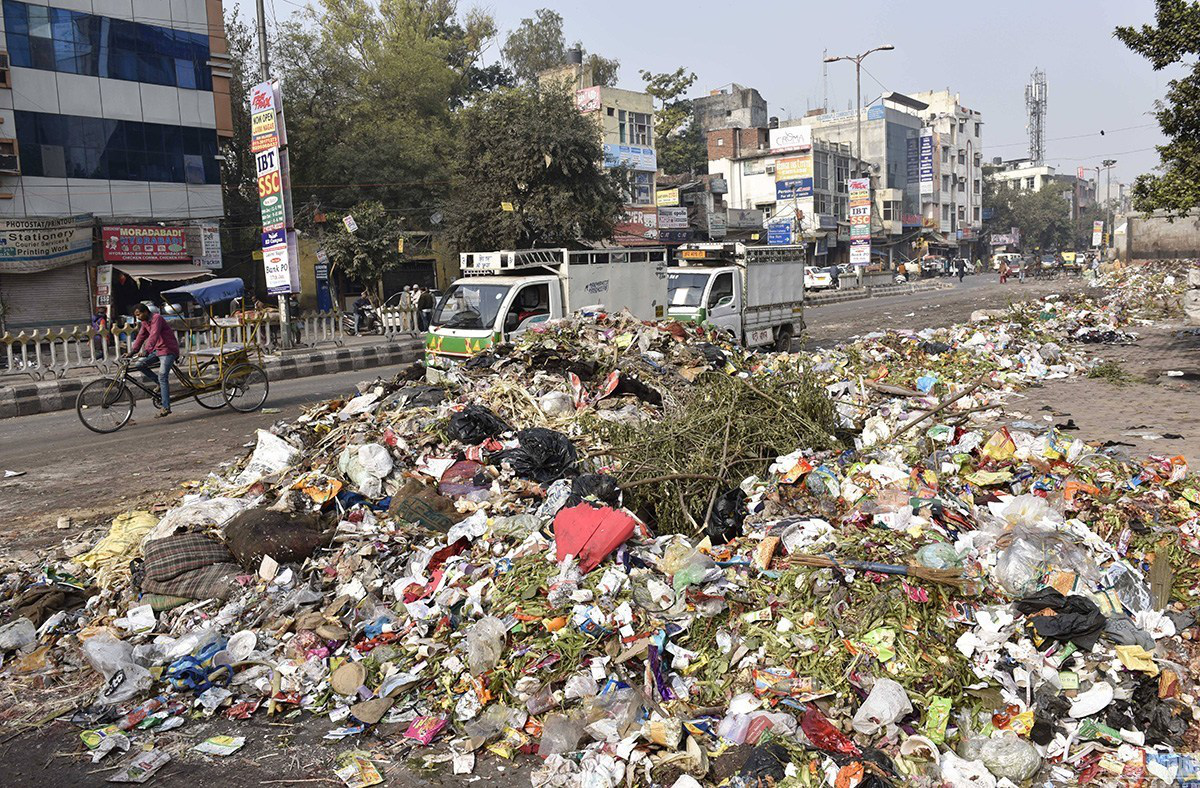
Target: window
<point>722,286</point>
<point>640,191</point>
<point>960,127</point>
<point>962,157</point>
<point>1029,183</point>
<point>821,203</point>
<point>977,186</point>
<point>5,77</point>
<point>610,112</point>
<point>639,124</point>
<point>962,212</point>
<point>68,146</point>
<point>55,39</point>
<point>962,186</point>
<point>945,155</point>
<point>841,175</point>
<point>530,305</point>
<point>977,213</point>
<point>621,125</point>
<point>9,161</point>
<point>821,171</point>
<point>945,213</point>
<point>889,210</point>
<point>720,142</point>
<point>977,125</point>
<point>945,183</point>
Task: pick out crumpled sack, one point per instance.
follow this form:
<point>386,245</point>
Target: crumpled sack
<point>595,488</point>
<point>1077,619</point>
<point>887,703</point>
<point>366,465</point>
<point>543,455</point>
<point>474,424</point>
<point>285,536</point>
<point>422,505</point>
<point>271,455</point>
<point>110,558</point>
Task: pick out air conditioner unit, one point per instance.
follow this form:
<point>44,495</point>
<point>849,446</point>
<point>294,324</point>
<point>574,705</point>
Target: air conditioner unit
<point>770,169</point>
<point>10,162</point>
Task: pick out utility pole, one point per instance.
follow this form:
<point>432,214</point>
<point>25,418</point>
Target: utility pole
<point>264,67</point>
<point>1108,211</point>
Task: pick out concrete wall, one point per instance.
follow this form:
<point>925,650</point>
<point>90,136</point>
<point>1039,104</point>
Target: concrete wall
<point>1156,238</point>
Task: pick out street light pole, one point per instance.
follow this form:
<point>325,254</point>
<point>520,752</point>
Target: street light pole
<point>858,59</point>
<point>1108,212</point>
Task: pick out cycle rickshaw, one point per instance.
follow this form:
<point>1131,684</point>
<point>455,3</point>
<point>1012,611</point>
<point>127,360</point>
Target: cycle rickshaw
<point>228,373</point>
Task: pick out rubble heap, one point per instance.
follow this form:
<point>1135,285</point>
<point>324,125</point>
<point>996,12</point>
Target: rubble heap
<point>649,557</point>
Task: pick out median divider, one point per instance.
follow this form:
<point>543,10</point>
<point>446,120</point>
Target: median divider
<point>876,291</point>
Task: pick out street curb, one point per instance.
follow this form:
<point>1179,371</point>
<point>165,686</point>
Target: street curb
<point>24,399</point>
<point>878,291</point>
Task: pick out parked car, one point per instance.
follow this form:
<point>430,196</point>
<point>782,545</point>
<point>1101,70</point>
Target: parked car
<point>932,265</point>
<point>1012,257</point>
<point>817,278</point>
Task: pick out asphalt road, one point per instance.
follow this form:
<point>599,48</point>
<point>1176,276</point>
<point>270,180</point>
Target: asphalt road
<point>72,472</point>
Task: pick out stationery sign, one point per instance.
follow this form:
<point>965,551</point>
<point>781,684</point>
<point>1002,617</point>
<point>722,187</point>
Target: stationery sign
<point>267,132</point>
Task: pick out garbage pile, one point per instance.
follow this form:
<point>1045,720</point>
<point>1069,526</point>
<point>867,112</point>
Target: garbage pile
<point>644,556</point>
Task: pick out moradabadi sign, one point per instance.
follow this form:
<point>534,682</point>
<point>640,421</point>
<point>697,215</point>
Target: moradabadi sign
<point>30,246</point>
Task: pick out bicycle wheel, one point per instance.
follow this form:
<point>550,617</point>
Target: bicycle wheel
<point>213,399</point>
<point>246,387</point>
<point>105,405</point>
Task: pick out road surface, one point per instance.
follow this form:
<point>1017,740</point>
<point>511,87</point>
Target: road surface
<point>72,472</point>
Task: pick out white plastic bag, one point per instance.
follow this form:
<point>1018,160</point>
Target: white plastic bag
<point>887,703</point>
<point>113,659</point>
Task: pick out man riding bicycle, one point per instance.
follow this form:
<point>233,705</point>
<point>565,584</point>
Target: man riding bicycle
<point>156,340</point>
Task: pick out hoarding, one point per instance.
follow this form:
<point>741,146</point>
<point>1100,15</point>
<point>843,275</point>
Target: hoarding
<point>789,138</point>
<point>210,246</point>
<point>1097,232</point>
<point>675,218</point>
<point>640,226</point>
<point>635,157</point>
<point>666,198</point>
<point>587,99</point>
<point>860,220</point>
<point>104,284</point>
<point>794,178</point>
<point>267,133</point>
<point>264,132</point>
<point>278,270</point>
<point>925,161</point>
<point>28,246</point>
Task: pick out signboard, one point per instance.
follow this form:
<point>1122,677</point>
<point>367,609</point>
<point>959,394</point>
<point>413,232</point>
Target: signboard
<point>789,138</point>
<point>779,233</point>
<point>672,218</point>
<point>794,178</point>
<point>674,236</point>
<point>1097,232</point>
<point>351,225</point>
<point>210,245</point>
<point>104,284</point>
<point>270,190</point>
<point>640,226</point>
<point>912,159</point>
<point>716,224</point>
<point>925,161</point>
<point>666,197</point>
<point>693,254</point>
<point>28,246</point>
<point>278,270</point>
<point>264,132</point>
<point>743,218</point>
<point>875,112</point>
<point>633,157</point>
<point>126,244</point>
<point>587,99</point>
<point>860,220</point>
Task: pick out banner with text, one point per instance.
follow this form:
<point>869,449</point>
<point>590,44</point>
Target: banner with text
<point>860,220</point>
<point>29,246</point>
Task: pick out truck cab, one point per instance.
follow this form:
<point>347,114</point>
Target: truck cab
<point>502,294</point>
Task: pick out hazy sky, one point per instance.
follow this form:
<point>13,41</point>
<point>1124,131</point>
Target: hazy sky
<point>983,51</point>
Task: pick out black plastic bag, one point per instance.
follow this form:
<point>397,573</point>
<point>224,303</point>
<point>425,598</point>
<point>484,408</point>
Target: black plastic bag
<point>728,514</point>
<point>543,456</point>
<point>474,424</point>
<point>591,487</point>
<point>714,355</point>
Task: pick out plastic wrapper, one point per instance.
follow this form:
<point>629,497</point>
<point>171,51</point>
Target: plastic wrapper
<point>887,703</point>
<point>543,455</point>
<point>485,644</point>
<point>1011,757</point>
<point>474,424</point>
<point>1027,554</point>
<point>560,734</point>
<point>113,659</point>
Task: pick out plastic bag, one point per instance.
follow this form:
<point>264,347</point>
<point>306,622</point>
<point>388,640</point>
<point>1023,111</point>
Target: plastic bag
<point>1011,757</point>
<point>485,643</point>
<point>560,734</point>
<point>728,514</point>
<point>693,570</point>
<point>887,703</point>
<point>543,455</point>
<point>599,487</point>
<point>1029,553</point>
<point>939,555</point>
<point>272,454</point>
<point>474,424</point>
<point>113,659</point>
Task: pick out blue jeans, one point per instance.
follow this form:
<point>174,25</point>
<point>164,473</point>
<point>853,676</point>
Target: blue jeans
<point>164,362</point>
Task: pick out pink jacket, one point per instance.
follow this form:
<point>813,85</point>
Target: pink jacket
<point>155,336</point>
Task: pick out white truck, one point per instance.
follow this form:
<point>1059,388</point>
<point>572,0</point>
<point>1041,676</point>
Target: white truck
<point>503,293</point>
<point>756,293</point>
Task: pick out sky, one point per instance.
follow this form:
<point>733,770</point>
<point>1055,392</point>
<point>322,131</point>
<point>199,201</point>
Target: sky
<point>985,52</point>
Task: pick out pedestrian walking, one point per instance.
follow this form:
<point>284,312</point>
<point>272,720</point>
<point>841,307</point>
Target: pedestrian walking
<point>424,307</point>
<point>406,309</point>
<point>1003,271</point>
<point>1021,271</point>
<point>961,265</point>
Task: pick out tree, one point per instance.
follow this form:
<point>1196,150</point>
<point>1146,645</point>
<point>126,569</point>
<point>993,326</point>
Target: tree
<point>369,252</point>
<point>1174,39</point>
<point>1042,217</point>
<point>538,44</point>
<point>242,231</point>
<point>678,139</point>
<point>530,150</point>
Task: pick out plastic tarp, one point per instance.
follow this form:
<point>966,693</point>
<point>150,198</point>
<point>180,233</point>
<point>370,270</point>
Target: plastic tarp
<point>163,272</point>
<point>210,292</point>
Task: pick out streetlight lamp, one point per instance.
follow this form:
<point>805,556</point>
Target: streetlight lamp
<point>1107,164</point>
<point>858,59</point>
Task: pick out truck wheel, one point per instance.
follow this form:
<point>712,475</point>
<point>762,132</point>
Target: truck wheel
<point>783,339</point>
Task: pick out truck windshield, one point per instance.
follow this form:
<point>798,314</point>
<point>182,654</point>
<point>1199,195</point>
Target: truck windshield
<point>686,288</point>
<point>470,306</point>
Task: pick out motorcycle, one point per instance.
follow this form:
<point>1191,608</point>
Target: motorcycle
<point>362,322</point>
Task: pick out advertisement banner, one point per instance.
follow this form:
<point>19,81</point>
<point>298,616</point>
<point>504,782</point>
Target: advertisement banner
<point>912,159</point>
<point>794,178</point>
<point>104,284</point>
<point>210,246</point>
<point>674,236</point>
<point>270,191</point>
<point>145,244</point>
<point>587,99</point>
<point>666,198</point>
<point>633,157</point>
<point>28,246</point>
<point>925,161</point>
<point>744,218</point>
<point>789,138</point>
<point>264,133</point>
<point>277,269</point>
<point>1097,232</point>
<point>860,220</point>
<point>779,233</point>
<point>860,252</point>
<point>673,218</point>
<point>640,226</point>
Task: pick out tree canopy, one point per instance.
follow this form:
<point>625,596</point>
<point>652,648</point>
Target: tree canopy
<point>538,44</point>
<point>526,174</point>
<point>679,142</point>
<point>369,252</point>
<point>1043,217</point>
<point>1173,39</point>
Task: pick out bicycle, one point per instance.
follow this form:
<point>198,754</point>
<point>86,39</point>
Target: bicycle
<point>106,405</point>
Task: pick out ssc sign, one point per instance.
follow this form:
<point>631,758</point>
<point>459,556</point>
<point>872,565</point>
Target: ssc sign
<point>269,184</point>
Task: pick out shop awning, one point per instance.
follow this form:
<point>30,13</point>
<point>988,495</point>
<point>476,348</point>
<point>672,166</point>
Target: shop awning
<point>163,272</point>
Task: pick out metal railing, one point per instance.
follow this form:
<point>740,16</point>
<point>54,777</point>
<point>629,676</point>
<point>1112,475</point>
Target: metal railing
<point>50,353</point>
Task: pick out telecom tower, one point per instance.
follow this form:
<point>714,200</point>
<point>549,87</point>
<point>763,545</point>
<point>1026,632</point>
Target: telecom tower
<point>1035,110</point>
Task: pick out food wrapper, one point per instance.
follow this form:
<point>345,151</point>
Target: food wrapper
<point>355,769</point>
<point>425,729</point>
<point>142,767</point>
<point>220,745</point>
<point>936,718</point>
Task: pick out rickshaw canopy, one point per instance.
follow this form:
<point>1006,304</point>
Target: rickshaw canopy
<point>209,292</point>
